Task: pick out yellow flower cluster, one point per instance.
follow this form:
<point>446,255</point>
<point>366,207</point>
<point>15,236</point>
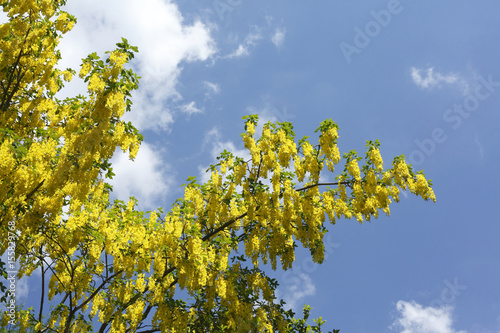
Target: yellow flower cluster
<point>96,83</point>
<point>85,69</point>
<point>376,159</point>
<point>117,59</point>
<point>51,154</point>
<point>122,265</point>
<point>64,23</point>
<point>328,143</point>
<point>353,169</point>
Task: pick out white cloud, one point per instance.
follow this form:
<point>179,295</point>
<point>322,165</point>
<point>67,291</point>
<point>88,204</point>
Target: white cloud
<point>3,17</point>
<point>214,139</point>
<point>244,49</point>
<point>22,288</point>
<point>145,178</point>
<point>253,37</point>
<point>414,318</point>
<point>240,51</point>
<point>269,113</point>
<point>266,114</point>
<point>204,175</point>
<point>431,79</point>
<point>251,40</point>
<point>479,146</point>
<point>212,89</point>
<point>190,108</point>
<point>214,143</point>
<point>164,41</point>
<point>279,37</point>
<point>301,287</point>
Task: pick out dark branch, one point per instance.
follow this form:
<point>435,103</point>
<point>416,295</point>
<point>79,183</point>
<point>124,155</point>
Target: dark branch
<point>323,184</point>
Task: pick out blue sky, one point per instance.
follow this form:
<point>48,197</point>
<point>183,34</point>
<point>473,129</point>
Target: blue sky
<point>420,76</point>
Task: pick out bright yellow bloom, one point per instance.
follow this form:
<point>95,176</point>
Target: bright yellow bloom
<point>116,263</point>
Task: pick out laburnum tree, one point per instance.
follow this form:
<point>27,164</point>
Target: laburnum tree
<point>108,267</point>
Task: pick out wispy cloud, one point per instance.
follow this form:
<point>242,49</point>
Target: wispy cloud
<point>212,89</point>
<point>214,143</point>
<point>479,146</point>
<point>414,318</point>
<point>244,48</point>
<point>190,108</point>
<point>294,293</point>
<point>269,113</point>
<point>279,37</point>
<point>272,33</point>
<point>22,287</point>
<point>430,79</point>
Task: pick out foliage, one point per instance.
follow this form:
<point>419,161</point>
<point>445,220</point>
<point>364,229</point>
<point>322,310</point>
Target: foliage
<point>108,266</point>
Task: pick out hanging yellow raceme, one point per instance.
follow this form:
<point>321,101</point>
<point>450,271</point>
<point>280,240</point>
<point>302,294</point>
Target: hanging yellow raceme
<point>125,268</point>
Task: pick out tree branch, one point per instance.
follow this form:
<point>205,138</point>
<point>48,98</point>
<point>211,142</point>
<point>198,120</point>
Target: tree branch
<point>205,238</point>
<point>323,184</point>
<point>43,290</point>
<point>97,290</point>
<point>222,227</point>
<point>8,97</point>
